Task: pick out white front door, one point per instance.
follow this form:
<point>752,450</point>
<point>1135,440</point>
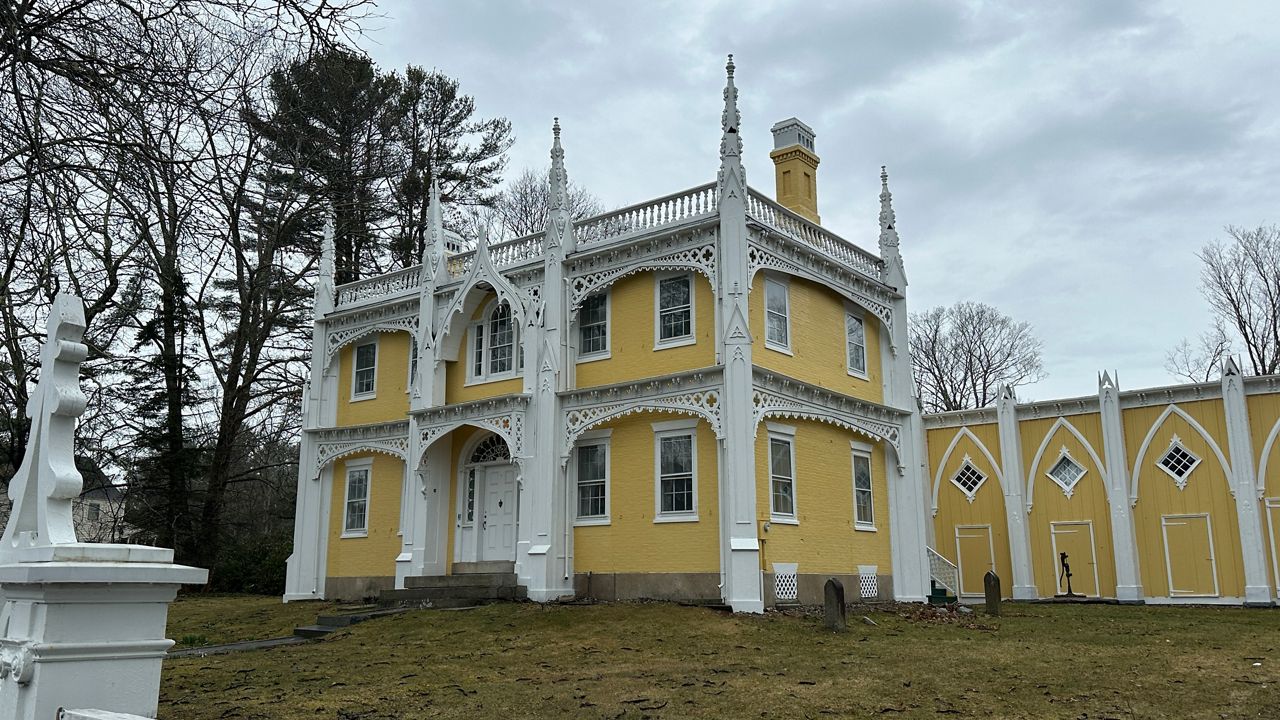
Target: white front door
<point>498,519</point>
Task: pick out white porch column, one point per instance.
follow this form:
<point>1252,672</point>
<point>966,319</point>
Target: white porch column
<point>304,570</point>
<point>743,588</point>
<point>909,517</point>
<point>1015,508</point>
<point>546,558</point>
<point>1124,539</point>
<point>1257,586</point>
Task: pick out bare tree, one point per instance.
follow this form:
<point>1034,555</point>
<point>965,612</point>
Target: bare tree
<point>525,204</point>
<point>964,353</point>
<point>1199,362</point>
<point>1241,281</point>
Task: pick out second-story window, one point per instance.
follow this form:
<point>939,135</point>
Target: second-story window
<point>777,316</point>
<point>593,327</point>
<point>366,368</point>
<point>494,345</point>
<point>675,310</point>
<point>856,344</point>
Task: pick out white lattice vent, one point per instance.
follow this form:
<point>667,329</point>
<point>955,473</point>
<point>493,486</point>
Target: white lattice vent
<point>786,588</point>
<point>868,581</point>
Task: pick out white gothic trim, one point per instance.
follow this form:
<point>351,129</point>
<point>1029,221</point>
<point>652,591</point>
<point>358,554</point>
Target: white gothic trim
<point>1267,445</point>
<point>1064,423</point>
<point>848,285</point>
<point>1151,433</point>
<point>346,329</point>
<point>391,438</point>
<point>483,270</point>
<point>503,416</point>
<point>946,456</point>
<point>695,394</point>
<point>700,258</point>
<point>782,397</point>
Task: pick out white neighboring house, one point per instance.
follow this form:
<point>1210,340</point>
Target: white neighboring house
<point>98,513</point>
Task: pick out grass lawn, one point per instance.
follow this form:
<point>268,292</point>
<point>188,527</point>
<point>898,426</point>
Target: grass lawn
<point>197,620</point>
<point>666,661</point>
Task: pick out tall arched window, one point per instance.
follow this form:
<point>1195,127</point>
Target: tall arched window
<point>494,345</point>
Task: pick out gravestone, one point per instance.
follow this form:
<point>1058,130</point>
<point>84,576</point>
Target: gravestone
<point>991,583</point>
<point>833,604</point>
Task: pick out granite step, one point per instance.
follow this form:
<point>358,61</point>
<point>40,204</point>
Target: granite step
<point>470,580</point>
<point>484,567</point>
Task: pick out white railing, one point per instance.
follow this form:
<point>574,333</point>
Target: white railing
<point>797,228</point>
<point>944,572</point>
<point>380,286</point>
<point>504,254</point>
<point>667,210</point>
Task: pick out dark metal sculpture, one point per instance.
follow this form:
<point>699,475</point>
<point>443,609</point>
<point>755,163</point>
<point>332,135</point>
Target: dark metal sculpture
<point>1066,572</point>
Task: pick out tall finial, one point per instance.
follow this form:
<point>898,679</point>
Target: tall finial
<point>433,247</point>
<point>325,284</point>
<point>559,176</point>
<point>326,251</point>
<point>888,229</point>
<point>730,138</point>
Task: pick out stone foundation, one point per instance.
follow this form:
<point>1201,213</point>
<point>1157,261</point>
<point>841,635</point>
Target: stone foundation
<point>809,588</point>
<point>356,589</point>
<point>648,586</point>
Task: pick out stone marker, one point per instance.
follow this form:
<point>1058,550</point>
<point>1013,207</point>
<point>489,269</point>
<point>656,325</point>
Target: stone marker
<point>833,602</point>
<point>991,582</point>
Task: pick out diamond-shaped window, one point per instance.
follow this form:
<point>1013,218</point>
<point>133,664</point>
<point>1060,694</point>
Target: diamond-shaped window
<point>968,478</point>
<point>1178,462</point>
<point>1066,472</point>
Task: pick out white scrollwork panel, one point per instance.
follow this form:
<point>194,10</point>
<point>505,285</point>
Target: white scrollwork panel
<point>701,259</point>
<point>699,403</point>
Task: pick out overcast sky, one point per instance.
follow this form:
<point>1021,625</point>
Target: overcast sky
<point>1063,164</point>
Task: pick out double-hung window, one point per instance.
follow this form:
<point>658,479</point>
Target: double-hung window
<point>863,512</point>
<point>782,477</point>
<point>676,487</point>
<point>592,469</point>
<point>494,345</point>
<point>356,515</point>
<point>856,344</point>
<point>364,375</point>
<point>593,327</point>
<point>675,310</point>
<point>777,315</point>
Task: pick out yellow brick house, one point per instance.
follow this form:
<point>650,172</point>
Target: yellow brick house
<point>703,396</point>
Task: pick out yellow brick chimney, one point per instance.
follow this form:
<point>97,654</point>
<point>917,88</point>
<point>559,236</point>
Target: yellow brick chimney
<point>796,168</point>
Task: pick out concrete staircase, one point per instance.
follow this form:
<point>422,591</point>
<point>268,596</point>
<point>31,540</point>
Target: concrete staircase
<point>471,584</point>
<point>346,617</point>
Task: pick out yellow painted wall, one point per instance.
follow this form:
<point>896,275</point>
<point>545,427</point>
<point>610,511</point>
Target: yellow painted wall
<point>1206,491</point>
<point>391,399</point>
<point>824,541</point>
<point>819,351</point>
<point>954,507</point>
<point>632,332</point>
<point>1050,504</point>
<point>633,542</point>
<point>375,555</point>
<point>1264,413</point>
<point>456,389</point>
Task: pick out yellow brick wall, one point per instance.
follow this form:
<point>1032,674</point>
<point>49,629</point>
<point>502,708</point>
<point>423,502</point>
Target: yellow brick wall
<point>1088,501</point>
<point>456,389</point>
<point>375,555</point>
<point>954,508</point>
<point>632,334</point>
<point>1207,491</point>
<point>391,381</point>
<point>633,542</point>
<point>819,351</point>
<point>824,541</point>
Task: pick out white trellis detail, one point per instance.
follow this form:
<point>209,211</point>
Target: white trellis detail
<point>808,402</point>
<point>387,438</point>
<point>701,258</point>
<point>760,257</point>
<point>786,585</point>
<point>869,581</point>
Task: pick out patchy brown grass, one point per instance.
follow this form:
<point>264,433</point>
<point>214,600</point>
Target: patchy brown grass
<point>217,619</point>
<point>666,661</point>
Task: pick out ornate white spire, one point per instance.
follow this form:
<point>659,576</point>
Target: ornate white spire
<point>433,248</point>
<point>325,286</point>
<point>559,176</point>
<point>730,119</point>
<point>888,223</point>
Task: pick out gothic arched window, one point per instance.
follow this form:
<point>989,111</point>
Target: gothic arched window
<point>494,344</point>
<point>491,449</point>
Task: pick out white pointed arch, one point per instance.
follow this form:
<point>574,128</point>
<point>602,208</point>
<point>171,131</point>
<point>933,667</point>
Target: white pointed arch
<point>1061,422</point>
<point>700,258</point>
<point>331,444</point>
<point>964,431</point>
<point>1173,409</point>
<point>704,404</point>
<point>1267,445</point>
<point>482,279</point>
<point>760,258</point>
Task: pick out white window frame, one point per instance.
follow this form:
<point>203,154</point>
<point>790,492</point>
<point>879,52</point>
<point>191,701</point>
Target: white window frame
<point>1181,482</point>
<point>857,314</point>
<point>862,450</point>
<point>1065,453</point>
<point>674,428</point>
<point>785,287</point>
<point>787,434</point>
<point>692,337</point>
<point>365,464</point>
<point>608,328</point>
<point>480,329</point>
<point>355,368</point>
<point>601,438</point>
<point>968,462</point>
